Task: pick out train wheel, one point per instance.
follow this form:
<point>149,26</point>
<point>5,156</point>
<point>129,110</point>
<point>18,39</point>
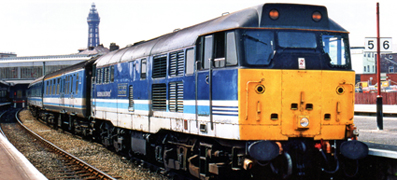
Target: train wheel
<point>55,121</point>
<point>106,134</point>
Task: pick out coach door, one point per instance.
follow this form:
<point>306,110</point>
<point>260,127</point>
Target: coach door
<point>204,79</point>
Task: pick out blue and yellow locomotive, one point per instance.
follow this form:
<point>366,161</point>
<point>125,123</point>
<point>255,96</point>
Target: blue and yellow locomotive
<point>265,89</point>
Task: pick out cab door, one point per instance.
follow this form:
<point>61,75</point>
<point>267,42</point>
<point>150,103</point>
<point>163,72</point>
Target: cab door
<point>204,78</point>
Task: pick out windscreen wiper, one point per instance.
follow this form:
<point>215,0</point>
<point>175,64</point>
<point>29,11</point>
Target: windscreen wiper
<point>254,39</point>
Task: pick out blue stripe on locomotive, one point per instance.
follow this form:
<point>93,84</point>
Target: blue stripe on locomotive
<point>224,88</point>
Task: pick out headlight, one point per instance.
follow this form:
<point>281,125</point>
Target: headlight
<point>304,122</point>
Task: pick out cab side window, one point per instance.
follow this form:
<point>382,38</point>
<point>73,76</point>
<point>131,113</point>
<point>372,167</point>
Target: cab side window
<point>218,50</point>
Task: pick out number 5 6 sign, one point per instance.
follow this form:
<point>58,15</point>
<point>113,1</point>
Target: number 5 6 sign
<point>385,44</point>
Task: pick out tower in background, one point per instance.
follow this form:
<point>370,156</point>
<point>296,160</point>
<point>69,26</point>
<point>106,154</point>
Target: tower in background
<point>93,29</point>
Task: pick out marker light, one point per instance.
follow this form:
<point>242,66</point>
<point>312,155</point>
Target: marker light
<point>304,122</point>
<point>273,14</point>
<point>316,16</point>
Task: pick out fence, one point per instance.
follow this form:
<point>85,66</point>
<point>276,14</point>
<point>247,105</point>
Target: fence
<point>370,98</point>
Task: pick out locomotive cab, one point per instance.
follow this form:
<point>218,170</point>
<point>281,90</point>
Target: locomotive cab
<point>295,85</point>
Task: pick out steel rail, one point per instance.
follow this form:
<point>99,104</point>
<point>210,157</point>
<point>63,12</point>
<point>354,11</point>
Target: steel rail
<point>94,171</point>
<point>1,129</point>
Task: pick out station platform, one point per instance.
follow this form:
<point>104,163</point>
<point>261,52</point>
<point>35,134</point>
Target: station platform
<point>378,139</point>
<point>13,165</point>
<point>371,108</point>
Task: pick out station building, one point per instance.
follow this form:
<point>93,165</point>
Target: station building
<point>19,72</point>
<point>364,64</point>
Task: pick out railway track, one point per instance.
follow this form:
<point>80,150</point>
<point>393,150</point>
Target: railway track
<point>96,154</point>
<point>63,165</point>
<point>381,161</point>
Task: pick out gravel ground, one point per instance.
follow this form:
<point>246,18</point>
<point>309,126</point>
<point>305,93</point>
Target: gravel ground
<point>45,161</point>
<point>92,153</point>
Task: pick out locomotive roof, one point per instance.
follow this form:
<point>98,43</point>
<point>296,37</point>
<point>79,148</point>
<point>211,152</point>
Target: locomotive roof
<point>291,16</point>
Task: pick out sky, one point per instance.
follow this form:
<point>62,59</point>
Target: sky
<point>56,27</point>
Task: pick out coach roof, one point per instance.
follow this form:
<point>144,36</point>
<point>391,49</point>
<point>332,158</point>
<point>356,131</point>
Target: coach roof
<point>254,17</point>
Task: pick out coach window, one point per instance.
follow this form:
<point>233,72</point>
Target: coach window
<point>50,88</point>
<point>189,61</point>
<point>58,85</point>
<point>54,90</point>
<point>111,73</point>
<point>71,84</point>
<point>65,84</point>
<point>143,69</point>
<point>46,91</point>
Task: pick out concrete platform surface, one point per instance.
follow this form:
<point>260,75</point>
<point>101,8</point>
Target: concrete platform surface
<point>13,165</point>
<point>380,139</point>
<point>371,108</point>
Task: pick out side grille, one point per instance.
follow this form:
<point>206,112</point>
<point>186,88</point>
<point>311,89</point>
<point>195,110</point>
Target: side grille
<point>159,97</point>
<point>176,97</point>
<point>159,66</point>
<point>177,63</point>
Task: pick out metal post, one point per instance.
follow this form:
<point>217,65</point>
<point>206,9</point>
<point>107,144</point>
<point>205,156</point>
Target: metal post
<point>379,110</point>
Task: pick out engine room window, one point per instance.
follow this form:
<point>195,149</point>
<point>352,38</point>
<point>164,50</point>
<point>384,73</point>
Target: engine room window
<point>258,46</point>
<point>190,61</point>
<point>143,68</point>
<point>334,46</point>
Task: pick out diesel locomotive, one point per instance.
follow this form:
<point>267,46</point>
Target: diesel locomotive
<point>267,90</point>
